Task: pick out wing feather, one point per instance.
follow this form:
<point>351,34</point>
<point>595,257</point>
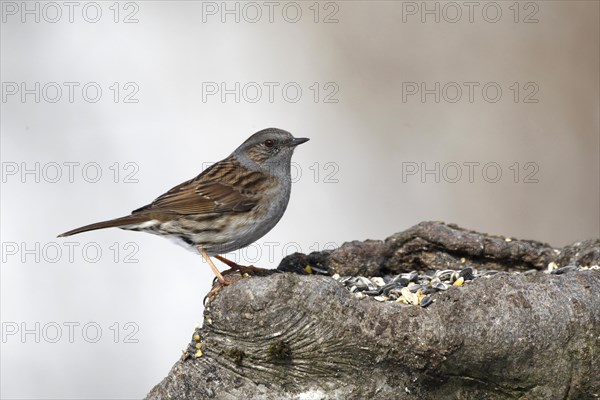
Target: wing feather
<point>220,188</point>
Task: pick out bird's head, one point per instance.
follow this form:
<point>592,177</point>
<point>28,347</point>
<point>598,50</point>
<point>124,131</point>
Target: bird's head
<point>269,150</point>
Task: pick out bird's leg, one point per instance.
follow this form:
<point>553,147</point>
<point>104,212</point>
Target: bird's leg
<point>233,266</point>
<point>220,278</point>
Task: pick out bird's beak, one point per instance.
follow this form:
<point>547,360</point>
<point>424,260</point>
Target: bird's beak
<point>296,141</point>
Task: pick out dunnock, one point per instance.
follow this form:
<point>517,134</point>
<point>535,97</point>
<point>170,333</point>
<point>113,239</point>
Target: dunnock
<point>230,205</point>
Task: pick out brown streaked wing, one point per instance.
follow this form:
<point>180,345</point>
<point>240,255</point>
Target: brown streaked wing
<point>215,190</point>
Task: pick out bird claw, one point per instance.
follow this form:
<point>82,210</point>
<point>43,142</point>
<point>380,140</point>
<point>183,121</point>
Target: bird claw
<point>216,289</point>
<point>242,269</point>
<point>234,267</point>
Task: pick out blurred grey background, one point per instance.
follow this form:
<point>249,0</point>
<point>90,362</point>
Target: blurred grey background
<point>106,314</point>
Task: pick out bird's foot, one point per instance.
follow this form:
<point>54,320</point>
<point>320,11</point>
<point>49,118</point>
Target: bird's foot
<point>218,285</point>
<point>242,269</point>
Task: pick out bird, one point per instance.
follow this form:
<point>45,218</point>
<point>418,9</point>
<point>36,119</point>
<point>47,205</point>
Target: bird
<point>228,206</point>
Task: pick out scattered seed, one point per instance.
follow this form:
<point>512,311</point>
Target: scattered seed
<point>411,277</point>
<point>454,277</point>
<point>413,287</point>
<point>440,285</point>
<point>388,288</point>
<point>563,270</point>
<point>467,273</point>
<point>444,275</point>
<point>378,281</point>
<point>401,281</point>
<point>420,287</point>
<point>425,301</point>
<point>317,270</point>
<point>409,297</point>
<point>427,290</point>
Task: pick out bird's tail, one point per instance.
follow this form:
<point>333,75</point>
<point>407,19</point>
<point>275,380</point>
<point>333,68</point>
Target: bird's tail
<point>113,223</point>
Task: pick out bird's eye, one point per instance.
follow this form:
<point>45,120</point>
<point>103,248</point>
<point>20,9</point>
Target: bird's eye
<point>269,143</point>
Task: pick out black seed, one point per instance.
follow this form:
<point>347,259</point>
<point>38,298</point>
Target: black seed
<point>412,277</point>
<point>564,270</point>
<point>401,282</point>
<point>467,273</point>
<point>386,289</point>
<point>414,288</point>
<point>425,301</point>
<point>427,290</point>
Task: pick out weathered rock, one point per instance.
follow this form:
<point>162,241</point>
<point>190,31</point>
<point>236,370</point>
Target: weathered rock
<point>506,336</point>
<point>435,245</point>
